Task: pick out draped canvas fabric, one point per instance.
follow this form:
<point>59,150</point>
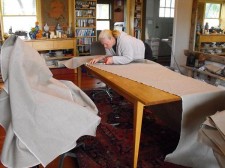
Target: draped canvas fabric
<point>199,100</point>
<point>212,133</point>
<point>43,117</point>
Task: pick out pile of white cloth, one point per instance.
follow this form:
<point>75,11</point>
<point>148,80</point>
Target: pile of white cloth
<point>43,117</point>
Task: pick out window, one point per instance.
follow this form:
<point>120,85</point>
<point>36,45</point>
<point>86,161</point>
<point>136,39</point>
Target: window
<point>212,14</point>
<point>166,8</point>
<point>19,16</point>
<point>103,16</point>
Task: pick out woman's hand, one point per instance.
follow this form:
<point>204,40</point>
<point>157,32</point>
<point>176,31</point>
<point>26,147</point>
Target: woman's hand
<point>97,59</point>
<point>104,59</point>
<point>108,60</point>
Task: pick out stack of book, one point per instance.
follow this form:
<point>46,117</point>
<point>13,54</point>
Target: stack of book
<point>84,32</point>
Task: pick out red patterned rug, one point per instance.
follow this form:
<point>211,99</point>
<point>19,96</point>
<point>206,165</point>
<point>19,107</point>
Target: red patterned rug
<point>112,146</point>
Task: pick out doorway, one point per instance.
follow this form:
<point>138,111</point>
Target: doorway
<point>159,28</point>
<point>110,14</point>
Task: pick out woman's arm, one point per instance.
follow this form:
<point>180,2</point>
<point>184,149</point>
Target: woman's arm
<point>98,59</point>
<point>102,58</point>
<point>125,53</point>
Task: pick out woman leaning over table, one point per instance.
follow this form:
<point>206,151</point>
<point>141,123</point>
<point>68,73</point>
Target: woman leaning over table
<point>120,47</point>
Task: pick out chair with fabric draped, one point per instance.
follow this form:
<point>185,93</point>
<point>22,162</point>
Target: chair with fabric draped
<point>43,117</point>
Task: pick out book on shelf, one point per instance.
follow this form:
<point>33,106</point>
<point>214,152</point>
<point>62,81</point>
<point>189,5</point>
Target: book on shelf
<point>85,32</point>
<point>84,41</point>
<point>85,22</point>
<point>137,33</point>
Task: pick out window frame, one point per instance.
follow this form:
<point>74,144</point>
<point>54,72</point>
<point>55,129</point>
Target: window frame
<point>205,18</point>
<point>38,15</point>
<point>170,8</point>
<point>110,15</point>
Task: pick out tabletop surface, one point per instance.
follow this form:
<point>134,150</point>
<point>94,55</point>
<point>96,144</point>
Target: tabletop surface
<point>134,90</point>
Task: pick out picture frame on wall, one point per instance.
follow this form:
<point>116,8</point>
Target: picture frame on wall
<point>55,12</point>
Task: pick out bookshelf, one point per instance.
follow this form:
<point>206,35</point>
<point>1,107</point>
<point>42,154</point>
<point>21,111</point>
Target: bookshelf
<point>138,19</point>
<point>85,25</point>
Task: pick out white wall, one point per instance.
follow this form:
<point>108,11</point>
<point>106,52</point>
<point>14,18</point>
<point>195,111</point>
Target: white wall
<point>181,31</point>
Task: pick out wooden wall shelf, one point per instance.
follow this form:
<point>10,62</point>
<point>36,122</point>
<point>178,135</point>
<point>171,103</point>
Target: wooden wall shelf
<point>191,71</point>
<point>52,44</point>
<point>210,38</point>
<point>209,57</point>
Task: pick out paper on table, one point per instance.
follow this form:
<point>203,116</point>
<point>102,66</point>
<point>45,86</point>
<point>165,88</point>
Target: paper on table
<point>76,61</point>
<point>160,77</point>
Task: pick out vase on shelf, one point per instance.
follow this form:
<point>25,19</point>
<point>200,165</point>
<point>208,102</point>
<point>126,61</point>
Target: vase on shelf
<point>32,35</point>
<point>46,28</point>
<point>58,31</point>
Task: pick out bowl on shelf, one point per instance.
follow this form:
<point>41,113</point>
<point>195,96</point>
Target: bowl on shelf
<point>50,63</point>
<point>206,45</point>
<point>51,54</point>
<point>210,51</point>
<point>59,64</point>
<point>218,51</point>
<point>59,53</point>
<point>222,45</point>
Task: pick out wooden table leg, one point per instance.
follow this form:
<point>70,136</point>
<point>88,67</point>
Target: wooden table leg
<point>138,114</point>
<point>79,77</point>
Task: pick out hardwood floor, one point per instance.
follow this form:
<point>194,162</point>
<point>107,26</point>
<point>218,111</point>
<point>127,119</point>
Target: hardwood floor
<point>88,82</point>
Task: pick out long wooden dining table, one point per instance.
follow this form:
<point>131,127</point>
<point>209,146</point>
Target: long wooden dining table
<point>137,93</point>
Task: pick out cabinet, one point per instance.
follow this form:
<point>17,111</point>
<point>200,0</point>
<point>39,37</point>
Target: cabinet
<point>54,50</point>
<point>47,45</point>
<point>85,25</point>
<point>138,19</point>
<point>211,43</point>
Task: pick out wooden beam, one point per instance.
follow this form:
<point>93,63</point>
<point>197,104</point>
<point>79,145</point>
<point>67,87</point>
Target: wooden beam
<point>130,17</point>
<point>193,25</point>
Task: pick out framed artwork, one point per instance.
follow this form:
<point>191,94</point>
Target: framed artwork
<point>55,12</point>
